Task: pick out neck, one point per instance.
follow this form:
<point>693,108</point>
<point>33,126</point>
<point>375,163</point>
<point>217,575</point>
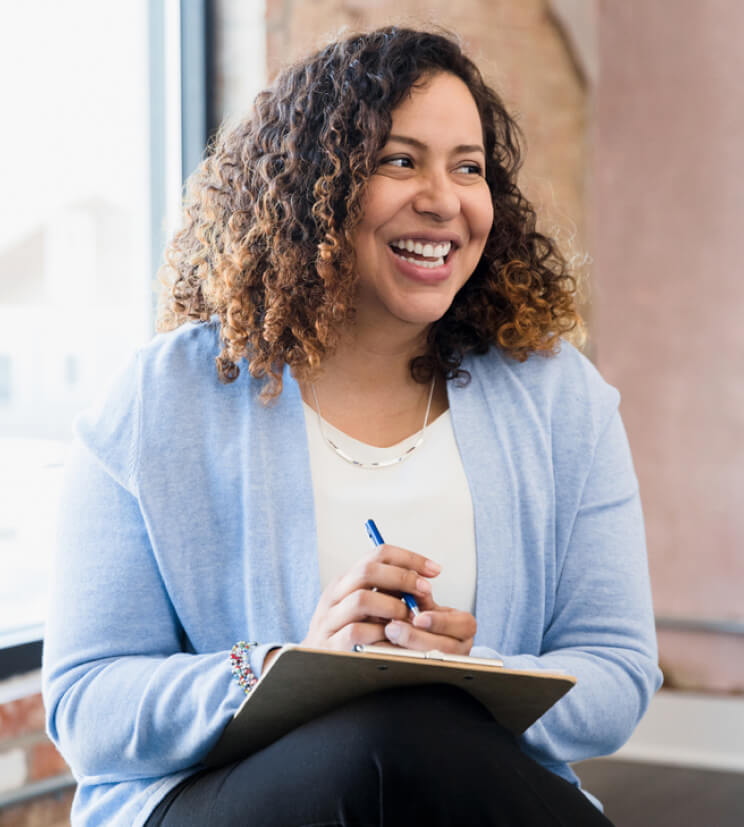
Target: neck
<point>366,389</point>
<point>376,357</point>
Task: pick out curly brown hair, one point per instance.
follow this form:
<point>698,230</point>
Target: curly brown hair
<point>269,214</point>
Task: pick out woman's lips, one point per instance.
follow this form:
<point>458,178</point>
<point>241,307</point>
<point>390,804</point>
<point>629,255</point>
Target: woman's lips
<point>427,275</point>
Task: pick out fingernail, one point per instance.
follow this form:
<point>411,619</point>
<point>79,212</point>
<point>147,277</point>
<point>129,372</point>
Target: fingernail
<point>432,567</point>
<point>392,632</point>
<point>422,621</point>
<point>423,585</point>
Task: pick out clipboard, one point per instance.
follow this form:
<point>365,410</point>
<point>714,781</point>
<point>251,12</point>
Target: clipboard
<point>303,683</point>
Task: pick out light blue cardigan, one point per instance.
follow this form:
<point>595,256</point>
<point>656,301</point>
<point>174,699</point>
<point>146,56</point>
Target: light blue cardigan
<point>187,523</point>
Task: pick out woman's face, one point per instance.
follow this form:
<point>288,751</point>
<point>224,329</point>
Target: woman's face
<point>427,210</point>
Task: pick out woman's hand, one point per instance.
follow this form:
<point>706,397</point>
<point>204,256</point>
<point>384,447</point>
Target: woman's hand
<point>437,627</point>
<point>356,607</point>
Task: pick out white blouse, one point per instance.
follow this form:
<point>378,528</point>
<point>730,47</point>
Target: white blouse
<point>422,504</point>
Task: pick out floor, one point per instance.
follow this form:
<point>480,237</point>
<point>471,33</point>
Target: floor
<point>654,795</point>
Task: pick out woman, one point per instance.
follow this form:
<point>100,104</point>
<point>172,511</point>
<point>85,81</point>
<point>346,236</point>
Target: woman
<point>361,245</point>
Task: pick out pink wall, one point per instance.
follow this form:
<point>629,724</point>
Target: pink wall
<point>668,215</point>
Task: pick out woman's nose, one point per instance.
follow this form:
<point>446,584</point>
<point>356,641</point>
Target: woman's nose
<point>437,196</point>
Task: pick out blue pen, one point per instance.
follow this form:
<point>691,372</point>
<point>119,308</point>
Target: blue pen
<point>376,537</point>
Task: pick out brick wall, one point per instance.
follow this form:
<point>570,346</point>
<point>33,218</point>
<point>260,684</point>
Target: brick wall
<point>29,762</point>
<point>46,811</point>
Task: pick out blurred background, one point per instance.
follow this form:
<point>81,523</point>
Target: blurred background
<point>634,122</point>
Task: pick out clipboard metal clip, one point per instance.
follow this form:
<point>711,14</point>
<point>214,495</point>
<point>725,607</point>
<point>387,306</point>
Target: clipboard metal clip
<point>432,654</point>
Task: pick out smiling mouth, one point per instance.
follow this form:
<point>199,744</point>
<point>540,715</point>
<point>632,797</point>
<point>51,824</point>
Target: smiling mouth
<point>424,254</point>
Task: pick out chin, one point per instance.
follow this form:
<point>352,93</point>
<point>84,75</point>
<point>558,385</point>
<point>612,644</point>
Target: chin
<point>424,314</point>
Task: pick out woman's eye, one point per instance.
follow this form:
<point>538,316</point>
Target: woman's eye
<point>402,163</point>
<point>470,168</point>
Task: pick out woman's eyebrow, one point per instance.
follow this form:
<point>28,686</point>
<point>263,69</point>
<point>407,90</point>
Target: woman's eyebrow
<point>404,139</point>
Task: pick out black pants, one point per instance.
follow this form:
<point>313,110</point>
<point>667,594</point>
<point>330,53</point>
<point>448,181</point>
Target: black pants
<point>419,756</point>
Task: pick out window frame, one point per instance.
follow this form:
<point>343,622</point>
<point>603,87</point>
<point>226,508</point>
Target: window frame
<point>181,81</point>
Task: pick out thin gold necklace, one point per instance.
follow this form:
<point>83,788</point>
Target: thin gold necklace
<point>382,463</point>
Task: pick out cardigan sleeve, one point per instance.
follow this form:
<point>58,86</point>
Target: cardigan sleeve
<point>123,699</point>
<point>602,627</point>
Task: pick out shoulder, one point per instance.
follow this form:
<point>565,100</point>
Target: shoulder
<point>181,355</point>
<point>167,391</point>
<point>564,390</point>
<point>539,373</point>
<point>181,364</point>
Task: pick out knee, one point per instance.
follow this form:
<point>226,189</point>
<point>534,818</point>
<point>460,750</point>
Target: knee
<point>425,733</point>
<point>413,756</point>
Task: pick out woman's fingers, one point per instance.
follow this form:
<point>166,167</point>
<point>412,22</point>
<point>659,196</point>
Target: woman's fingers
<point>347,638</point>
<point>406,559</point>
<point>426,603</point>
<point>391,569</point>
<point>364,604</point>
<point>449,622</point>
<point>409,637</point>
<point>356,607</point>
<point>447,630</point>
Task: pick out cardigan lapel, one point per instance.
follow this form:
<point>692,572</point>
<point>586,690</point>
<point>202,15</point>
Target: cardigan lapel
<point>291,547</point>
<point>478,423</point>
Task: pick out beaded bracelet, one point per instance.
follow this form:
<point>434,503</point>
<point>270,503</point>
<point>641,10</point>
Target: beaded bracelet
<point>240,664</point>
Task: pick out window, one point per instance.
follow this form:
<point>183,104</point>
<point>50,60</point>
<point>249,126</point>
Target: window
<point>5,379</point>
<point>95,98</point>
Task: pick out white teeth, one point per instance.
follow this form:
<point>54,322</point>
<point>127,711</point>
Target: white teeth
<point>429,264</point>
<point>429,249</point>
